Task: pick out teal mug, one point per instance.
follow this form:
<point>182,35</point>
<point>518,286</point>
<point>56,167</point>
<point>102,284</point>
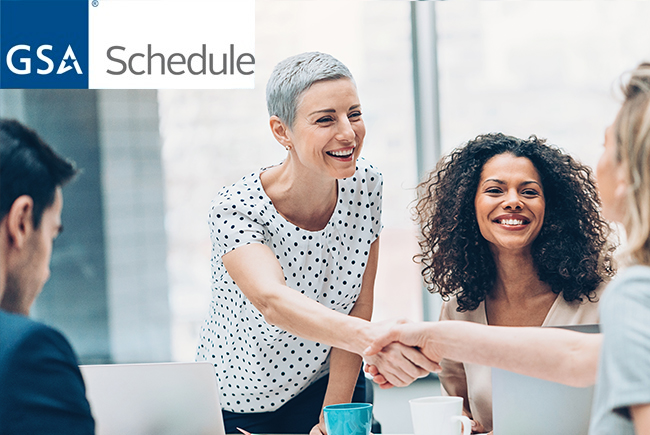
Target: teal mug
<point>348,419</point>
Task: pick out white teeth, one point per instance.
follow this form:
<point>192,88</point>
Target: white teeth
<point>511,222</point>
<point>342,153</point>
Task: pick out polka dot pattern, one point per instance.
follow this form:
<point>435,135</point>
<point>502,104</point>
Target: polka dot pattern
<point>260,366</point>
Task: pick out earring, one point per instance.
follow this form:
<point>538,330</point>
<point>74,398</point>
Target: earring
<point>287,147</point>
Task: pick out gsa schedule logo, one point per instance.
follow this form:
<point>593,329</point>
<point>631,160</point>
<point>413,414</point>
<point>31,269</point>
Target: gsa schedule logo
<point>44,44</point>
<point>97,44</point>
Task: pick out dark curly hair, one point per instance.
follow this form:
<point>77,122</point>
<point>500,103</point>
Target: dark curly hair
<point>572,253</point>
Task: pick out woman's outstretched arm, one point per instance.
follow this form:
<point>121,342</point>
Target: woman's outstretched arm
<point>259,275</point>
<point>554,354</point>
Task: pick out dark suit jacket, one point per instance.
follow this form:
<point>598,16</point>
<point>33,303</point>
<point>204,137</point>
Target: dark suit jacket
<point>41,388</point>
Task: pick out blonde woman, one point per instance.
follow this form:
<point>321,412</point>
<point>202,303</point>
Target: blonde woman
<point>622,401</point>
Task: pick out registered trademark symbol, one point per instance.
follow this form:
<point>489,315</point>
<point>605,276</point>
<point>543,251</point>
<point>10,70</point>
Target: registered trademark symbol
<point>95,3</point>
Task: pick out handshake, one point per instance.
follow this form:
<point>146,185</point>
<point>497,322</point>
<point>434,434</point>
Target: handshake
<point>401,352</point>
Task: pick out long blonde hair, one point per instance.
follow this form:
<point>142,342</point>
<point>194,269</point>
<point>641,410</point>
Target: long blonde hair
<point>632,129</point>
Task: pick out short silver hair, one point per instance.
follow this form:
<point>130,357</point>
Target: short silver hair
<point>294,75</point>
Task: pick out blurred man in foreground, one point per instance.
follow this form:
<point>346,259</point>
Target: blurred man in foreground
<point>41,388</point>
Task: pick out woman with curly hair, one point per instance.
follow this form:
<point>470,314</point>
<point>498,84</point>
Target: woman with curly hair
<point>622,397</point>
<point>512,236</point>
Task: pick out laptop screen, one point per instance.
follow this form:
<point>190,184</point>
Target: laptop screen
<point>162,399</point>
<point>523,404</point>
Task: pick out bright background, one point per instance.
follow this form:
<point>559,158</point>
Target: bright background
<point>130,275</point>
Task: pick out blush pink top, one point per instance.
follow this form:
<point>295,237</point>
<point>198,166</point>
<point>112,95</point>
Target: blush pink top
<point>473,382</point>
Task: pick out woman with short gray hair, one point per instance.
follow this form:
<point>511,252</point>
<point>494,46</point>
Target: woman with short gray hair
<point>294,256</point>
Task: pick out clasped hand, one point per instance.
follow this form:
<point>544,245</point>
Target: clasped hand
<point>392,363</point>
<point>394,358</point>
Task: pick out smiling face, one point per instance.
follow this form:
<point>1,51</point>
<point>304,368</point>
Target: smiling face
<point>509,202</point>
<point>327,134</point>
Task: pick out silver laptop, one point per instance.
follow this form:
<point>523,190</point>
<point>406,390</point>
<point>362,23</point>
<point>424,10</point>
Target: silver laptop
<point>525,405</point>
<point>161,399</point>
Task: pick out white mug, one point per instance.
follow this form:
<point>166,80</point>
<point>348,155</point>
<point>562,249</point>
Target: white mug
<point>439,415</point>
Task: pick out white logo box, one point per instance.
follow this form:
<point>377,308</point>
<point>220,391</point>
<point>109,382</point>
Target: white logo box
<point>172,44</point>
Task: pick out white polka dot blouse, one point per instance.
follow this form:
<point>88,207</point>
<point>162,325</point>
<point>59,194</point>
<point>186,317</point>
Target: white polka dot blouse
<point>259,366</point>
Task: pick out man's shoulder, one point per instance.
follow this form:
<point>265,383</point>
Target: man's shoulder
<point>8,319</point>
<point>42,388</point>
<point>16,327</point>
<point>19,333</point>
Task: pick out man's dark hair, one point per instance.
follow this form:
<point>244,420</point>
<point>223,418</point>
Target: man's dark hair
<point>29,166</point>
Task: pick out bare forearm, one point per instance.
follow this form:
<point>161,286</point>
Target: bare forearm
<point>549,353</point>
<point>345,366</point>
<point>304,317</point>
<point>344,371</point>
<point>265,287</point>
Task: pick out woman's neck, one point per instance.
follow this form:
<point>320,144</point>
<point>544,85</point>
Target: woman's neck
<point>519,297</point>
<point>517,278</point>
<point>302,197</point>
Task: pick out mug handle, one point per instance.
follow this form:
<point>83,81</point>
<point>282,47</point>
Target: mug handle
<point>467,424</point>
